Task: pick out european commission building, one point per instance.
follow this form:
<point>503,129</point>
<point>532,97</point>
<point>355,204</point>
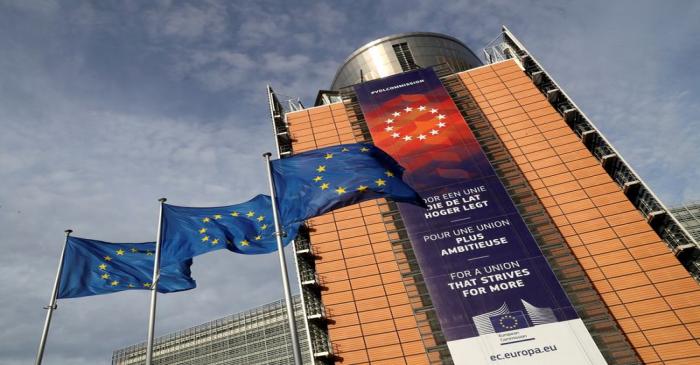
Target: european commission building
<point>539,244</point>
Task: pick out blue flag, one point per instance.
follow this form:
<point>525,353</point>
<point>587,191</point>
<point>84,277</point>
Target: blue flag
<point>246,228</point>
<point>93,267</point>
<point>315,182</point>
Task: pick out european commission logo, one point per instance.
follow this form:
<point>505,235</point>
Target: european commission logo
<point>509,321</point>
<point>503,319</point>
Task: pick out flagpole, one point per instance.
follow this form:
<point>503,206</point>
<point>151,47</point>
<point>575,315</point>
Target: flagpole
<point>52,303</point>
<point>283,265</point>
<point>154,287</point>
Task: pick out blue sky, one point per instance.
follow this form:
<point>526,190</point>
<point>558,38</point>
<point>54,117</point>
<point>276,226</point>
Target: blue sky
<point>107,106</point>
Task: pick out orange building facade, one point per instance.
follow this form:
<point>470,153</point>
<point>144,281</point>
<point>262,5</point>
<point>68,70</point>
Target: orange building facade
<point>365,299</point>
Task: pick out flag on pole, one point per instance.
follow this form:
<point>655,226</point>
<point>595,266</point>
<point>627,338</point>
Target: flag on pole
<point>94,267</point>
<point>245,228</point>
<point>315,182</point>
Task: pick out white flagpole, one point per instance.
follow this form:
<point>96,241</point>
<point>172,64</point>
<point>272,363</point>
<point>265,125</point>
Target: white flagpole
<point>154,287</point>
<point>52,303</point>
<point>283,266</point>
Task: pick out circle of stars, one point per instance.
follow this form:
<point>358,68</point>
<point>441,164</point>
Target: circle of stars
<point>208,238</point>
<point>109,277</point>
<point>508,322</point>
<point>439,124</point>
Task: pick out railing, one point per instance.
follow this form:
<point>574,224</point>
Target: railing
<point>303,246</point>
<point>497,50</point>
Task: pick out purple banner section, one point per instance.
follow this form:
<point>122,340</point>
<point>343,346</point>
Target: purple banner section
<point>483,269</point>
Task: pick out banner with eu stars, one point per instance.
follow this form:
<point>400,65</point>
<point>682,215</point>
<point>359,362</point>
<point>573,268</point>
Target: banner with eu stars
<point>315,182</point>
<point>490,284</point>
<point>94,267</point>
<point>246,228</point>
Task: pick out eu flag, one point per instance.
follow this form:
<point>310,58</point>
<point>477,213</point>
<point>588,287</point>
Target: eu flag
<point>93,267</point>
<point>315,182</point>
<point>509,321</point>
<point>246,228</point>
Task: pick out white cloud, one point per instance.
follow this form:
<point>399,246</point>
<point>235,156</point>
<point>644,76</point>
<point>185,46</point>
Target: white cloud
<point>41,7</point>
<point>67,163</point>
<point>188,22</point>
<point>218,69</point>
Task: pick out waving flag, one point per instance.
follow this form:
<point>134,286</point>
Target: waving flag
<point>315,182</point>
<point>94,267</point>
<point>245,228</point>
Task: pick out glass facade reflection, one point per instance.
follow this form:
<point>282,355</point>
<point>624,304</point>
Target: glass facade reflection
<point>256,336</point>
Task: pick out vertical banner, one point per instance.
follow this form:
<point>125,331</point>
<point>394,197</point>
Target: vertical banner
<point>496,297</point>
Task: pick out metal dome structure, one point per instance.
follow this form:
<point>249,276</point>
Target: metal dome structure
<point>403,52</point>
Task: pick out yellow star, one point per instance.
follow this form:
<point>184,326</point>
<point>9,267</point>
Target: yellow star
<point>340,190</point>
<point>146,285</point>
<point>105,276</point>
<point>149,253</point>
<point>234,214</point>
<point>324,186</point>
<point>389,174</point>
<point>215,241</point>
<point>257,238</point>
<point>205,238</point>
<point>321,168</point>
<point>345,150</point>
<point>250,214</point>
<point>318,178</point>
<point>202,230</point>
<point>261,218</point>
<point>364,149</point>
<point>380,182</point>
<point>362,188</point>
<point>134,250</point>
<point>244,243</point>
<point>206,220</point>
<point>107,258</point>
<point>103,267</point>
<point>328,156</point>
<point>263,227</point>
<point>131,285</point>
<point>217,216</point>
<point>120,252</point>
<point>114,283</point>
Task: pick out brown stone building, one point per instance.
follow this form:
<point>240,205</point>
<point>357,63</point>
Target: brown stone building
<point>611,243</point>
